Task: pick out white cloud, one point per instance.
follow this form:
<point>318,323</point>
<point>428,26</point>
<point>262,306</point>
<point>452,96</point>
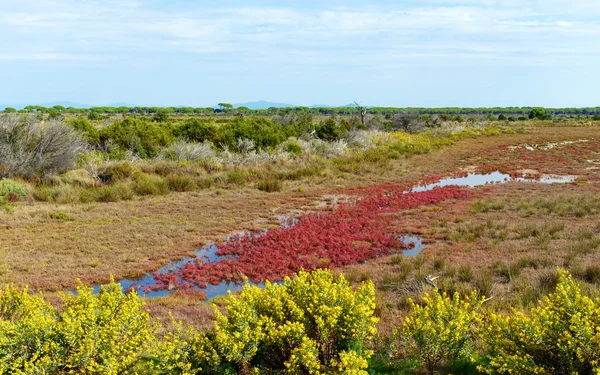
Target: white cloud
<point>516,31</point>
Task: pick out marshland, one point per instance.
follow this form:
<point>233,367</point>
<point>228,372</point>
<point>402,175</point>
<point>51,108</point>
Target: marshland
<point>370,242</point>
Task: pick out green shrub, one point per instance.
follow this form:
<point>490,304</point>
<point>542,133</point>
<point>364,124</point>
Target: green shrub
<point>66,194</point>
<point>162,115</point>
<point>143,137</point>
<point>88,131</point>
<point>4,206</point>
<point>540,114</point>
<point>117,172</point>
<point>270,185</point>
<point>264,133</point>
<point>58,194</point>
<point>560,336</point>
<point>293,147</point>
<point>196,130</point>
<point>92,116</point>
<point>329,130</point>
<point>45,193</point>
<point>12,190</point>
<point>236,177</point>
<point>163,168</point>
<point>146,184</point>
<point>314,323</point>
<point>181,183</point>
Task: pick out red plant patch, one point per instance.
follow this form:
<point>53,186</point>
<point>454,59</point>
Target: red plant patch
<point>354,233</point>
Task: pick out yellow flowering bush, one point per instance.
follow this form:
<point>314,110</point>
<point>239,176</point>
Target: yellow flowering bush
<point>314,323</point>
<point>92,334</point>
<point>183,351</point>
<point>560,336</point>
<point>103,333</point>
<point>27,328</point>
<point>442,328</point>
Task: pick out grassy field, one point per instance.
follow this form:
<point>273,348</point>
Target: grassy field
<point>504,240</point>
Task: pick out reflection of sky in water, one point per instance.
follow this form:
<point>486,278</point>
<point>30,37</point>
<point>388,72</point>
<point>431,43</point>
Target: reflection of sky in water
<point>476,179</point>
<point>418,245</point>
<point>208,252</point>
<point>471,180</point>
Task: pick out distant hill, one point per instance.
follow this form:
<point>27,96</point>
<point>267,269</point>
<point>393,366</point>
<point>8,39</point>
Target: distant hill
<point>261,104</point>
<point>65,104</point>
<point>119,104</point>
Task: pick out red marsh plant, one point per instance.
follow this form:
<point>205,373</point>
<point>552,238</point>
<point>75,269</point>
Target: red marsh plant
<point>356,232</point>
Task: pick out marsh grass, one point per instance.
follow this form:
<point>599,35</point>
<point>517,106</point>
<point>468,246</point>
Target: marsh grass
<point>484,283</point>
<point>145,184</point>
<point>465,273</point>
<point>577,205</point>
<point>181,182</point>
<point>59,215</point>
<point>270,185</point>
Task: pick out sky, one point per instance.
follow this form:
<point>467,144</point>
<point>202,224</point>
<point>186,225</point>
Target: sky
<point>432,53</point>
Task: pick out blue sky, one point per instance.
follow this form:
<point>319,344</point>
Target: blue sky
<point>386,53</point>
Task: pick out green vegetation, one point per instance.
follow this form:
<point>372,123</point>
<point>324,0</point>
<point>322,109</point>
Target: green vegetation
<point>136,157</point>
<point>442,330</point>
<point>92,334</point>
<point>142,137</point>
<point>313,323</point>
<point>228,110</point>
<point>506,247</point>
<point>12,190</point>
<point>539,114</point>
<point>560,336</point>
<point>563,205</point>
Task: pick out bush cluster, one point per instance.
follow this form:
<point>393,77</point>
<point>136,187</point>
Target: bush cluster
<point>88,131</point>
<point>559,336</point>
<point>264,133</point>
<point>146,138</point>
<point>314,323</point>
<point>442,329</point>
<point>90,334</point>
<point>143,137</point>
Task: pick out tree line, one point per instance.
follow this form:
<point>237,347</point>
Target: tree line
<point>229,109</point>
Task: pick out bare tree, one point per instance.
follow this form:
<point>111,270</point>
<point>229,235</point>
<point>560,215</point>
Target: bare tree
<point>362,112</point>
<point>29,147</point>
